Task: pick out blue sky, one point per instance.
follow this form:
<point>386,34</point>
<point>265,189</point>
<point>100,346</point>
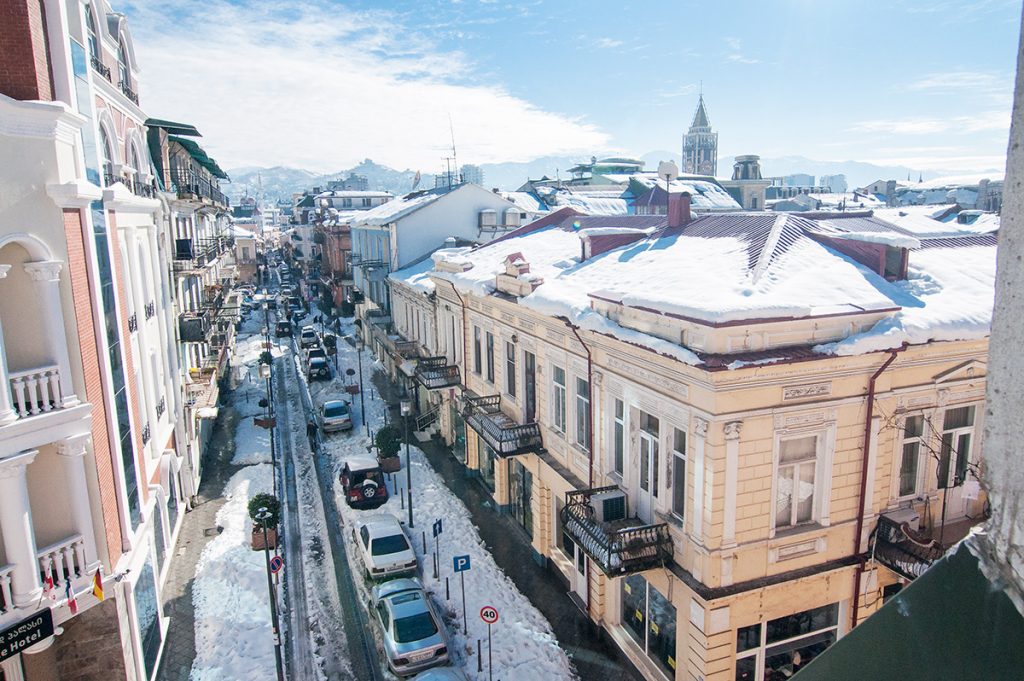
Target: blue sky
<point>324,84</point>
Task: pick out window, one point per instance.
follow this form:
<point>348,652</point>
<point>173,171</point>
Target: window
<point>510,368</point>
<point>90,29</point>
<point>650,620</point>
<point>794,484</point>
<point>913,428</point>
<point>367,203</point>
<point>679,473</point>
<point>477,355</point>
<point>618,436</point>
<point>144,593</point>
<point>106,156</point>
<point>346,203</point>
<point>955,455</point>
<point>490,357</point>
<point>649,446</point>
<point>122,64</point>
<point>781,647</point>
<point>583,413</point>
<point>558,398</point>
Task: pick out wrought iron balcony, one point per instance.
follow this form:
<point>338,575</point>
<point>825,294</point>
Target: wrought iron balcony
<point>435,373</point>
<point>99,68</point>
<point>145,433</point>
<point>150,310</point>
<point>501,433</point>
<point>128,92</point>
<point>620,545</point>
<point>161,407</point>
<point>900,549</point>
<point>133,324</point>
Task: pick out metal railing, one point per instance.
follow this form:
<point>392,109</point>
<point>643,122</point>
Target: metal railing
<point>146,433</point>
<point>507,438</point>
<point>194,327</point>
<point>898,549</point>
<point>191,184</point>
<point>99,68</point>
<point>150,310</point>
<point>619,548</point>
<point>435,373</point>
<point>133,323</point>
<point>161,407</point>
<point>128,92</point>
<point>424,421</point>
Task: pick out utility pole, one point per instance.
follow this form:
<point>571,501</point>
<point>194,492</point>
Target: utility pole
<point>406,411</point>
<point>263,515</point>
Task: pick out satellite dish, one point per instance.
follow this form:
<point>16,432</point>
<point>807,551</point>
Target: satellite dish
<point>668,171</point>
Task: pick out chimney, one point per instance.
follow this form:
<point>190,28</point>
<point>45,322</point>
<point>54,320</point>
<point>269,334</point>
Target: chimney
<point>679,209</point>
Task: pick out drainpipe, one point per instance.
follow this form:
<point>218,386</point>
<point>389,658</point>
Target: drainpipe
<point>862,501</point>
<point>590,431</point>
<point>465,326</point>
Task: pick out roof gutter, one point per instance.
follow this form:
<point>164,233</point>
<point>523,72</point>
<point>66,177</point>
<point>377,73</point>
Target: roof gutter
<point>862,500</point>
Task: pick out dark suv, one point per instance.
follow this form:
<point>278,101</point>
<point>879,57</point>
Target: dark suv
<point>362,481</point>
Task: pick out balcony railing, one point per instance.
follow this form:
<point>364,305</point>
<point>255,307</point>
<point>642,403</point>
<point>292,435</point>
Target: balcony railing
<point>133,324</point>
<point>36,391</point>
<point>128,92</point>
<point>898,548</point>
<point>161,407</point>
<point>150,310</point>
<point>146,433</point>
<point>62,561</point>
<point>190,184</point>
<point>505,436</point>
<point>435,373</point>
<point>6,597</point>
<point>99,68</point>
<point>620,547</point>
<point>194,327</point>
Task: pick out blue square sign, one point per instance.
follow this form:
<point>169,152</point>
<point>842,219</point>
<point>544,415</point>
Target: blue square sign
<point>460,563</point>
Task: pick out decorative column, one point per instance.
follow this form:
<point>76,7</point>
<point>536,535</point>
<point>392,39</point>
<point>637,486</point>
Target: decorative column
<point>732,472</point>
<point>47,275</point>
<point>72,453</point>
<point>7,413</point>
<point>700,432</point>
<point>16,525</point>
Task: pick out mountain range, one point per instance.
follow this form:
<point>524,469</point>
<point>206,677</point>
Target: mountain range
<point>280,182</point>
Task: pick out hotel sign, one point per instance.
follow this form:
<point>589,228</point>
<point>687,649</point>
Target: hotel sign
<point>26,633</point>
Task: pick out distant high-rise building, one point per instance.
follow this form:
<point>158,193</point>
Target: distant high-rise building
<point>700,145</point>
<point>837,183</point>
<point>798,180</point>
<point>472,173</point>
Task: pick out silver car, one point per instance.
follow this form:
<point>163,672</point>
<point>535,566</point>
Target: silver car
<point>335,415</point>
<point>414,636</point>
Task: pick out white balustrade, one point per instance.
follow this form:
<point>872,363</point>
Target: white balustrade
<point>36,391</point>
<point>6,597</point>
<point>63,560</point>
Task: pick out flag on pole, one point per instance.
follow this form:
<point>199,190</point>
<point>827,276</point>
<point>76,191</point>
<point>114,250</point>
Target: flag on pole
<point>48,588</point>
<point>70,594</point>
<point>97,586</point>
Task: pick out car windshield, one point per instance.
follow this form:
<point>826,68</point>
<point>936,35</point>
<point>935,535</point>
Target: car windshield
<point>414,628</point>
<point>383,546</point>
<point>336,410</point>
<point>359,477</point>
<point>317,362</point>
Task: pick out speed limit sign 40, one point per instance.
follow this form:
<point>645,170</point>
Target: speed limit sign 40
<point>489,614</point>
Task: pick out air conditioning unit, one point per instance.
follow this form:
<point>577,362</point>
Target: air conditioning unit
<point>609,506</point>
<point>905,515</point>
<point>488,218</point>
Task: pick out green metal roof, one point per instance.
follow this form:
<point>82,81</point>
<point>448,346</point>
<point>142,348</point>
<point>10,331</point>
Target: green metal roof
<point>200,156</point>
<point>173,128</point>
<point>949,623</point>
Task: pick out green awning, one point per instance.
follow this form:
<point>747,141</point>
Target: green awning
<point>173,128</point>
<point>200,156</point>
<point>949,623</point>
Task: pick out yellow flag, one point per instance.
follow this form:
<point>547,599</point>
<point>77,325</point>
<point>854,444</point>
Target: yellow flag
<point>97,586</point>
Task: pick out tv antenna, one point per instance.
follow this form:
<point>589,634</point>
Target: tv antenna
<point>455,157</point>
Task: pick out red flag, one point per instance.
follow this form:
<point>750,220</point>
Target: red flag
<point>70,593</point>
<point>48,589</point>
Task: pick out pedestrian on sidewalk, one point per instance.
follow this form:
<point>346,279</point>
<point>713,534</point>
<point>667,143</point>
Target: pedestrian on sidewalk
<point>311,433</point>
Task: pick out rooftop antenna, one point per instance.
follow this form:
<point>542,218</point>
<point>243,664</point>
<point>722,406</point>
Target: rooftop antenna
<point>448,169</point>
<point>455,157</point>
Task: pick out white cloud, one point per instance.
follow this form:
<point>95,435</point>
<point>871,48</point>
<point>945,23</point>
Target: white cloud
<point>608,43</point>
<point>321,87</point>
<point>981,122</point>
<point>736,55</point>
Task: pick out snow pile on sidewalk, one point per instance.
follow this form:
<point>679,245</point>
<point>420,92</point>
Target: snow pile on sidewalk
<point>234,639</point>
<point>524,645</point>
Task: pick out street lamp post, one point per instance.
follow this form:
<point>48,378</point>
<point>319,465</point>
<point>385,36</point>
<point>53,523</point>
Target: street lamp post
<point>263,515</point>
<point>406,411</point>
<point>362,402</point>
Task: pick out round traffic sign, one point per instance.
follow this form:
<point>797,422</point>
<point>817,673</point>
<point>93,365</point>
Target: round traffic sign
<point>489,614</point>
<point>276,563</point>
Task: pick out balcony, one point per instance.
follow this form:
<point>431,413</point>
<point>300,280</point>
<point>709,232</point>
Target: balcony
<point>128,92</point>
<point>194,327</point>
<point>506,437</point>
<point>35,391</point>
<point>434,373</point>
<point>62,562</point>
<point>902,550</point>
<point>620,545</point>
<point>133,324</point>
<point>99,68</point>
<point>150,310</point>
<point>191,185</point>
<point>161,407</point>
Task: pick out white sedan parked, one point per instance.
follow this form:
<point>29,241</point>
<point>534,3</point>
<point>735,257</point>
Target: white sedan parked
<point>384,547</point>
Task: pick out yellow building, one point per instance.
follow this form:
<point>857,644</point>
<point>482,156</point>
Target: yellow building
<point>734,435</point>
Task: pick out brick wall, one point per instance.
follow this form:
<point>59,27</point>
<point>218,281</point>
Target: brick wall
<point>25,67</point>
<point>85,324</point>
<point>90,649</point>
<point>129,363</point>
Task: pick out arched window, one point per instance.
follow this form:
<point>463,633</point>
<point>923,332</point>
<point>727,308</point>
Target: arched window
<point>122,65</point>
<point>106,158</point>
<point>90,30</point>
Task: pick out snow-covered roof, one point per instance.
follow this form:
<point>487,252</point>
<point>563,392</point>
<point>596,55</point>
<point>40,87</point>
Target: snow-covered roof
<point>705,194</point>
<point>583,202</point>
<point>525,201</point>
<point>729,267</point>
<point>936,220</point>
<point>396,209</point>
<point>353,194</point>
<point>951,181</point>
<point>416,276</point>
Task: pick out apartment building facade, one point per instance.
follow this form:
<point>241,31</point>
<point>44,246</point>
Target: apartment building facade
<point>728,506</point>
<point>93,402</point>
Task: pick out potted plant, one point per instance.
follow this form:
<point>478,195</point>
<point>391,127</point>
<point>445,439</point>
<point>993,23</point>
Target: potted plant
<point>273,506</point>
<point>388,445</point>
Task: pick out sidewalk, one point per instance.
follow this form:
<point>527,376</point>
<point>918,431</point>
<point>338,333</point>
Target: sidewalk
<point>593,656</point>
<point>198,528</point>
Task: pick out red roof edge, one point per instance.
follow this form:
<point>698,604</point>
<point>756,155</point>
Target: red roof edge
<point>546,221</point>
